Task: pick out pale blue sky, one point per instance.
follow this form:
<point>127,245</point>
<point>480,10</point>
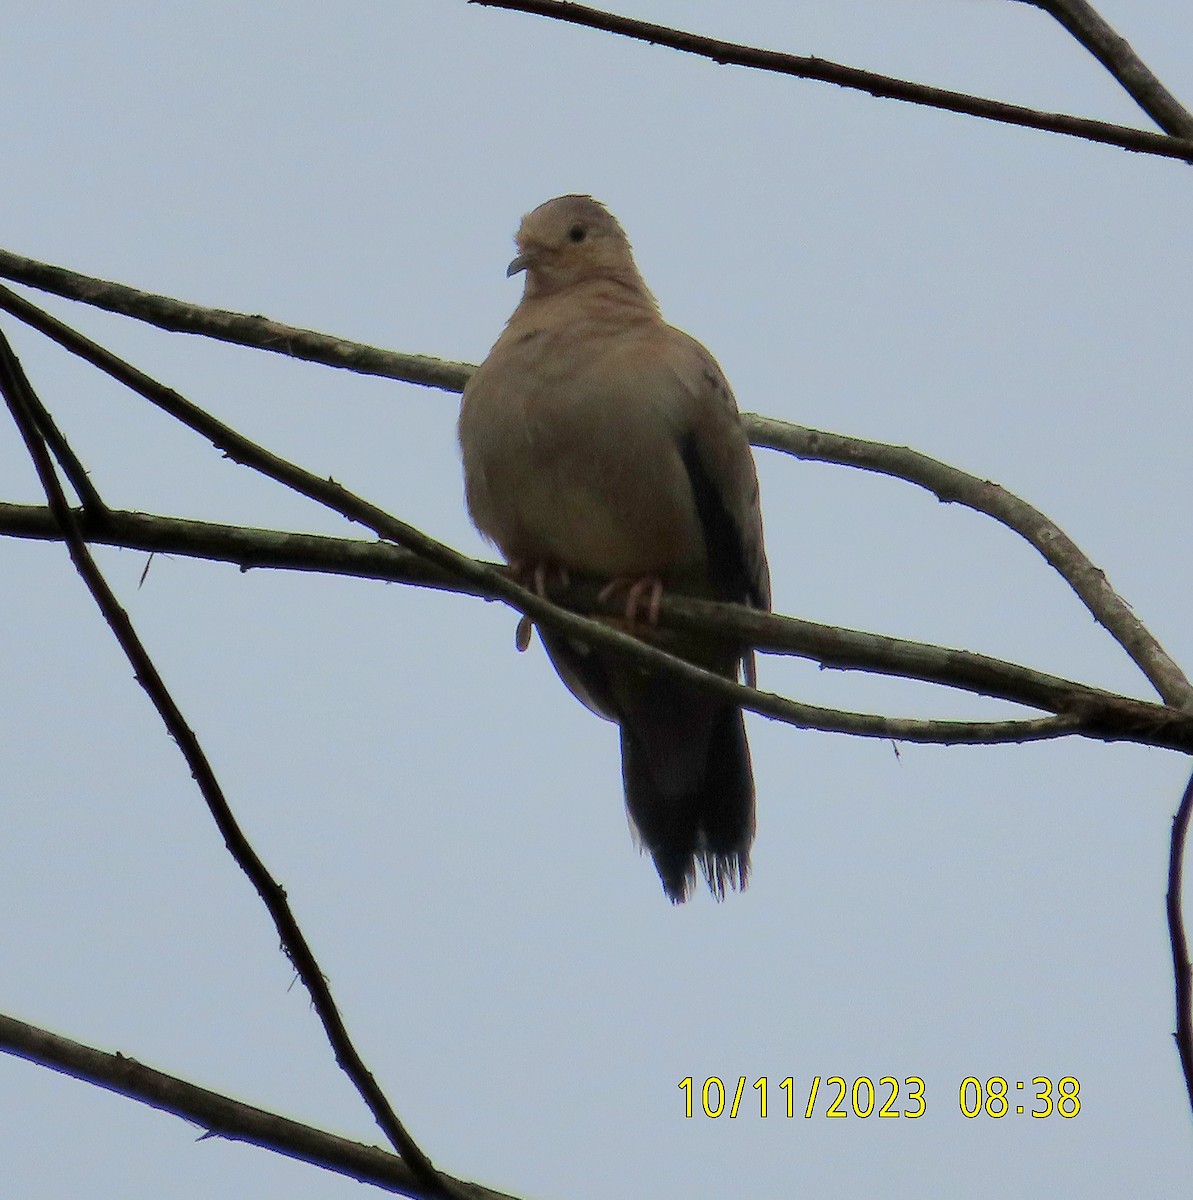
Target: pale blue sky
<point>446,819</point>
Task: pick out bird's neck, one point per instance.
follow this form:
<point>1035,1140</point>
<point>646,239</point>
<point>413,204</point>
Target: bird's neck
<point>621,297</point>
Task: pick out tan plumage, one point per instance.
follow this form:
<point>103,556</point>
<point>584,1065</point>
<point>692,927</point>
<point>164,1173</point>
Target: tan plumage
<point>600,439</point>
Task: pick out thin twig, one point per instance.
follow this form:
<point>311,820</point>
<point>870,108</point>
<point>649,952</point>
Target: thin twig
<point>1182,971</point>
<point>221,1115</point>
<point>1115,53</point>
<point>885,86</point>
<point>951,485</point>
<point>146,673</point>
<point>1104,715</point>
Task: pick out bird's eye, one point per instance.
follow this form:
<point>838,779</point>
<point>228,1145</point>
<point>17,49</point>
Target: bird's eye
<point>577,232</point>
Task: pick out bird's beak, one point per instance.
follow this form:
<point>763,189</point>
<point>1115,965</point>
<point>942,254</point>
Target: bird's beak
<point>520,263</point>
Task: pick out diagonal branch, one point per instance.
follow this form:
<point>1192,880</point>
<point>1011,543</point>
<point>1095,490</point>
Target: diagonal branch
<point>274,897</point>
<point>1104,715</point>
<point>951,485</point>
<point>240,329</point>
<point>221,1115</point>
<point>1119,58</point>
<point>883,86</point>
<point>48,430</point>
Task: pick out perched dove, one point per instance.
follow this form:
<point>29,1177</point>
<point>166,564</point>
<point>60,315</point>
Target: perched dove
<point>600,440</point>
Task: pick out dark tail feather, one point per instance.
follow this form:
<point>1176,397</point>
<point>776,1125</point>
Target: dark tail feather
<point>690,795</point>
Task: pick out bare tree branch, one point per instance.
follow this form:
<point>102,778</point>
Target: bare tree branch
<point>47,429</point>
<point>947,483</point>
<point>417,558</point>
<point>1104,715</point>
<point>1117,56</point>
<point>951,485</point>
<point>244,546</point>
<point>498,585</point>
<point>221,1115</point>
<point>241,329</point>
<point>884,86</point>
<point>14,386</point>
<point>1182,971</point>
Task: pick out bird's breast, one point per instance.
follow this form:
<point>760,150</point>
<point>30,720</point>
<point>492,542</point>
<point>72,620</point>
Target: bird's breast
<point>575,465</point>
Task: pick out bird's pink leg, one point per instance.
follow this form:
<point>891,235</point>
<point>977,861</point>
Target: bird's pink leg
<point>534,576</point>
<point>650,586</point>
<point>522,634</point>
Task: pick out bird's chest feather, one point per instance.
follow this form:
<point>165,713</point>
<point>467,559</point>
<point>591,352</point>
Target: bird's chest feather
<point>569,460</point>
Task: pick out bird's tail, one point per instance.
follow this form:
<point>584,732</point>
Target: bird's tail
<point>690,795</point>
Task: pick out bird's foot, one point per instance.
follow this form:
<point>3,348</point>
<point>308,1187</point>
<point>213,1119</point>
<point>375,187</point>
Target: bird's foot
<point>522,634</point>
<point>643,587</point>
<point>535,577</point>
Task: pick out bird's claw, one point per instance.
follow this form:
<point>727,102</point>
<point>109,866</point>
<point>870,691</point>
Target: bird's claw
<point>648,586</point>
<point>535,577</point>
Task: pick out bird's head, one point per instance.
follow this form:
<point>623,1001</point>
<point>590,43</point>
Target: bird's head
<point>570,240</point>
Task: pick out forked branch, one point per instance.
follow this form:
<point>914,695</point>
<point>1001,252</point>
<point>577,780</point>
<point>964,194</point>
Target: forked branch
<point>1115,53</point>
<point>883,86</point>
<point>948,483</point>
<point>24,407</point>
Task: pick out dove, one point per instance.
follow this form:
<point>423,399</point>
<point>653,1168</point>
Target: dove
<point>598,440</point>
